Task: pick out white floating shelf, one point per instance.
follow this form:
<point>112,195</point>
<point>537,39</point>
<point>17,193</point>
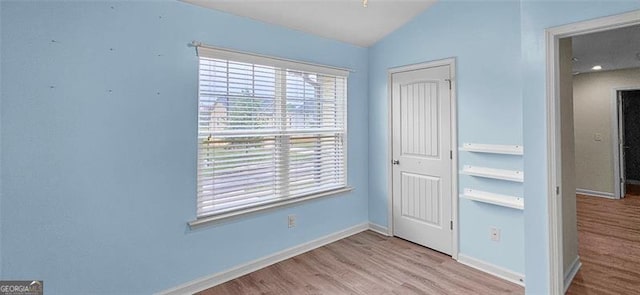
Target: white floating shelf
<point>493,148</point>
<point>495,199</point>
<point>510,175</point>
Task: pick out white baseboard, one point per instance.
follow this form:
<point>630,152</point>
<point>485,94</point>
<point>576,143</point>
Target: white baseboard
<point>238,271</point>
<point>587,192</point>
<point>383,230</point>
<point>501,272</point>
<point>571,273</point>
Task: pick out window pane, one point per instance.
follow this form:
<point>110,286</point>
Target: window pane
<point>267,134</point>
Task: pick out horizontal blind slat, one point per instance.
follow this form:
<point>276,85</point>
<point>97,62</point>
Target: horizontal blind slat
<point>267,133</point>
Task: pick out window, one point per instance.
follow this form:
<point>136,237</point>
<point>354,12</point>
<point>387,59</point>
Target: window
<point>270,131</point>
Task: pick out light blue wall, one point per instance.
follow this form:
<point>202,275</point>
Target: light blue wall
<point>498,45</point>
<point>97,186</point>
<point>98,146</point>
<point>485,39</point>
<point>536,17</point>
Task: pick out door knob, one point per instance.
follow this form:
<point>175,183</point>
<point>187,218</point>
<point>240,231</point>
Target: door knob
<point>395,162</point>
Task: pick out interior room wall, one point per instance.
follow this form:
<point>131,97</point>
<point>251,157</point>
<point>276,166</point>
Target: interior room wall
<point>536,17</point>
<point>593,105</point>
<point>99,120</point>
<point>568,188</point>
<point>102,208</point>
<point>489,111</point>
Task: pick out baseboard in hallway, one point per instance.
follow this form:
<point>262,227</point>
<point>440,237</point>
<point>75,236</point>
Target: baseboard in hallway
<point>571,273</point>
<point>592,193</point>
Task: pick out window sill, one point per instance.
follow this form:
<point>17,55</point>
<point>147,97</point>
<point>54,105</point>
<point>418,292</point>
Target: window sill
<point>228,215</point>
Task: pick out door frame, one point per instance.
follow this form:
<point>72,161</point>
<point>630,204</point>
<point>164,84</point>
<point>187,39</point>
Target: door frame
<point>451,62</point>
<point>554,181</point>
<point>616,122</point>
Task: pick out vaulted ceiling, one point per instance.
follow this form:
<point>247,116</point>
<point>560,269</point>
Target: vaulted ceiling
<point>344,20</point>
<point>349,21</point>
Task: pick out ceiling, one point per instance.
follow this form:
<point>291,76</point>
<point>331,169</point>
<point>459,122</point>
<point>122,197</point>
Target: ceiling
<point>613,50</point>
<point>343,20</point>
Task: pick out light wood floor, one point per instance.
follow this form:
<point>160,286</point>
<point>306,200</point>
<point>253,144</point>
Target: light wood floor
<point>609,246</point>
<point>368,263</point>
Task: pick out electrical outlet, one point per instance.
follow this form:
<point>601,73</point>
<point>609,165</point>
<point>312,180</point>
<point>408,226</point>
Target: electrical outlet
<point>494,234</point>
<point>291,221</point>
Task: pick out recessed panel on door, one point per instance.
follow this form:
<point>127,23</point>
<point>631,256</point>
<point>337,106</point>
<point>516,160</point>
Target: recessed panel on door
<point>420,198</point>
<point>419,106</point>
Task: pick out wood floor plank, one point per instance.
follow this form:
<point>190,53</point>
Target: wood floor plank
<point>608,245</point>
<point>368,264</point>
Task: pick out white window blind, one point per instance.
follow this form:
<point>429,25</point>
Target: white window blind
<point>269,131</point>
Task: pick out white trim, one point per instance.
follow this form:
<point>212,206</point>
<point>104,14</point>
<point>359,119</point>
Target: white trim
<point>494,199</point>
<point>379,229</point>
<point>493,148</point>
<point>615,141</point>
<point>454,161</point>
<point>616,120</point>
<point>211,51</point>
<point>228,215</point>
<point>238,271</point>
<point>553,168</point>
<point>582,191</point>
<point>509,175</point>
<point>498,271</point>
<point>573,270</point>
<point>451,62</point>
<point>553,35</point>
<point>389,153</point>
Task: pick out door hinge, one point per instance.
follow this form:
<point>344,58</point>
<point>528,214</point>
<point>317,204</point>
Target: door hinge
<point>448,80</point>
<point>451,224</point>
<point>557,190</point>
<point>451,155</point>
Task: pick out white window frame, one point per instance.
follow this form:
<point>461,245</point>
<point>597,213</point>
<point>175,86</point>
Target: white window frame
<point>237,56</point>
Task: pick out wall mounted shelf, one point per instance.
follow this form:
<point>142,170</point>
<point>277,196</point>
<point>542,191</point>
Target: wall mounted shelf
<point>495,199</point>
<point>509,175</point>
<point>493,148</point>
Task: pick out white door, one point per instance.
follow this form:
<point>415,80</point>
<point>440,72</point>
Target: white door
<point>422,181</point>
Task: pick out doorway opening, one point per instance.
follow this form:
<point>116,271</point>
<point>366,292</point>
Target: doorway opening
<point>628,102</point>
<point>583,165</point>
